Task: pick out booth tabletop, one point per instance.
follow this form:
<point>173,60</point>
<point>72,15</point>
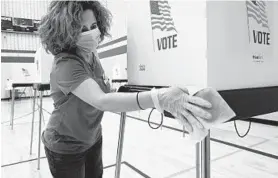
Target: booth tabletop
<point>246,103</point>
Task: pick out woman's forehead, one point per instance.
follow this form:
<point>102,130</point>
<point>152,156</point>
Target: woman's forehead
<point>88,17</point>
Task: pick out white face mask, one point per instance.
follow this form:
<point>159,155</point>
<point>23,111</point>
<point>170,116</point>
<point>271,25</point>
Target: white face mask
<point>88,41</point>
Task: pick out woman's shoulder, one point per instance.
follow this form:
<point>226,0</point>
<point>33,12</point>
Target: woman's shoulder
<point>67,58</point>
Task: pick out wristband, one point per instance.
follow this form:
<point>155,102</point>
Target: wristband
<point>154,96</point>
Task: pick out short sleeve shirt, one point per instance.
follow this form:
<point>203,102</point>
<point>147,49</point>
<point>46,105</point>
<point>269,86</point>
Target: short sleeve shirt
<point>74,125</point>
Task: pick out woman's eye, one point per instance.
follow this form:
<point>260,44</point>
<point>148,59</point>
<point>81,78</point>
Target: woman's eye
<point>84,29</point>
<point>94,26</point>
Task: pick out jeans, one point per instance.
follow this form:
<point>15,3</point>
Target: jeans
<point>82,165</point>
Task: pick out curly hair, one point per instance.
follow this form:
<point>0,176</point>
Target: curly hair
<point>61,26</point>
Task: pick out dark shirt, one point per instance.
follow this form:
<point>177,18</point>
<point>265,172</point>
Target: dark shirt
<point>74,125</point>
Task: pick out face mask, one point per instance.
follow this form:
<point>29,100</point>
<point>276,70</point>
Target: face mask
<point>88,41</point>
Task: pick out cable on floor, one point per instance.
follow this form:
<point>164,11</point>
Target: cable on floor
<point>32,96</point>
<point>25,115</point>
<point>46,111</point>
<point>20,116</point>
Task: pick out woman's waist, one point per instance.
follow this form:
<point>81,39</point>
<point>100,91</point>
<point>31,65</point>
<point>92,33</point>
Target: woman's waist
<point>68,143</point>
<point>73,134</point>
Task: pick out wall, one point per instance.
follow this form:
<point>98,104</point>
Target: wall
<point>18,49</point>
<point>113,50</point>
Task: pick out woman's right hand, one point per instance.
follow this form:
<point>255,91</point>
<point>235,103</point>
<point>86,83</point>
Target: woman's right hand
<point>181,105</point>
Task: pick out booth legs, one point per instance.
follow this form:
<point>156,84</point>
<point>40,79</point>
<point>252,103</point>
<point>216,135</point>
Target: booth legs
<point>40,125</point>
<point>203,158</point>
<point>12,109</point>
<point>33,118</point>
<point>120,145</point>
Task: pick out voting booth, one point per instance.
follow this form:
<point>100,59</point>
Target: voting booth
<point>220,44</point>
<point>230,46</point>
<point>37,72</point>
<point>43,65</point>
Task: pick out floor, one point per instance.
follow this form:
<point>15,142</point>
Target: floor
<point>160,153</point>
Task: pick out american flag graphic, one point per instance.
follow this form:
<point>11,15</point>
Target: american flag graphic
<point>257,11</point>
<point>161,16</point>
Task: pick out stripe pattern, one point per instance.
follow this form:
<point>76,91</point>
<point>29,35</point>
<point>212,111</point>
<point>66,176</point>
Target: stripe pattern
<point>257,11</point>
<point>161,16</point>
<point>109,49</point>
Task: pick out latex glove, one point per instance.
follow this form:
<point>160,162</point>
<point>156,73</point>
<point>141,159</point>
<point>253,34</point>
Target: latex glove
<point>181,105</point>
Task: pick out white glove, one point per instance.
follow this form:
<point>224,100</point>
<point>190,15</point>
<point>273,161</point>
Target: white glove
<point>182,106</point>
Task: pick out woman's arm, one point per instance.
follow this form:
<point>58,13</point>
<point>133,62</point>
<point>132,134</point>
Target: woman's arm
<point>174,99</point>
<point>90,92</point>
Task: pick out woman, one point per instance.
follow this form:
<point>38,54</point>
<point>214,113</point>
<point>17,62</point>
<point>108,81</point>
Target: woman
<point>71,31</point>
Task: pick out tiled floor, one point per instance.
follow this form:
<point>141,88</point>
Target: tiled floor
<point>161,153</point>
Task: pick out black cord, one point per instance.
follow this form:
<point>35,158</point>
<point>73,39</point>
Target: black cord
<point>149,122</point>
<point>36,102</point>
<point>24,114</point>
<point>20,116</point>
<point>46,111</point>
<point>242,136</point>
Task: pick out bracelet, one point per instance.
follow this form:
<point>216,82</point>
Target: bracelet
<point>138,101</point>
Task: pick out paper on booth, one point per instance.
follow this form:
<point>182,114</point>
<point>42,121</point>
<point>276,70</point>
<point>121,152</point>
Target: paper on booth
<point>220,111</point>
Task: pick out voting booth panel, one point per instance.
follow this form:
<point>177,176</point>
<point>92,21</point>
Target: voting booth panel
<point>37,72</point>
<point>23,73</point>
<point>241,50</point>
<point>156,57</point>
<point>43,64</point>
<point>275,35</point>
<point>220,44</point>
